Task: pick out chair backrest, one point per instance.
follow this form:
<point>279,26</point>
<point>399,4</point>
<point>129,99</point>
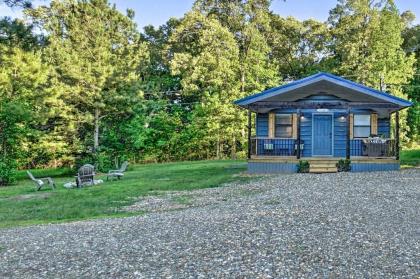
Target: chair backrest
<point>86,172</point>
<point>87,169</point>
<point>124,166</point>
<point>30,175</point>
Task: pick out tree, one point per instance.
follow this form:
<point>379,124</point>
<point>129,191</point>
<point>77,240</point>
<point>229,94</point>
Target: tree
<point>411,45</point>
<point>299,48</point>
<point>367,45</point>
<point>206,57</point>
<point>97,54</point>
<point>248,21</point>
<point>157,76</point>
<point>18,3</point>
<point>23,103</point>
<point>15,33</point>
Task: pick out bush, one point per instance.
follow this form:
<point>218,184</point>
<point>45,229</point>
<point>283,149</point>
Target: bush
<point>7,172</point>
<point>303,166</point>
<point>343,165</point>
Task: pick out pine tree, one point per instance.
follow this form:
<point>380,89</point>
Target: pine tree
<point>97,54</point>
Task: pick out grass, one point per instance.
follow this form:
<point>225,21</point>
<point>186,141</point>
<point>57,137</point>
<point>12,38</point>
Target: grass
<point>59,172</point>
<point>21,204</point>
<point>410,157</point>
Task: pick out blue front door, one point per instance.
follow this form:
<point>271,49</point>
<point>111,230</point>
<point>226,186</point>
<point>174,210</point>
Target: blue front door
<point>322,135</point>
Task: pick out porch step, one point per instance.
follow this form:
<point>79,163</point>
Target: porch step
<point>317,169</point>
<point>322,166</point>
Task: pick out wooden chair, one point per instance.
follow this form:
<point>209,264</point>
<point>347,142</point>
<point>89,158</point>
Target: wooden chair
<point>85,175</point>
<point>40,182</point>
<point>118,173</point>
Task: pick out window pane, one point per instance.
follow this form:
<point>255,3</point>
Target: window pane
<point>283,119</point>
<point>362,120</point>
<point>361,132</point>
<point>283,132</point>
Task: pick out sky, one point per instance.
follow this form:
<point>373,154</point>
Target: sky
<point>157,12</point>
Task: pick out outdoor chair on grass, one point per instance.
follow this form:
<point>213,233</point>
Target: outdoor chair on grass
<point>40,182</point>
<point>85,175</point>
<point>117,173</point>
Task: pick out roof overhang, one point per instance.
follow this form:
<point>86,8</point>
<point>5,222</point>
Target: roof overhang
<point>350,93</point>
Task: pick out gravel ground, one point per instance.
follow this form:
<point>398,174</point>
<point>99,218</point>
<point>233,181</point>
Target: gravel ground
<point>346,225</point>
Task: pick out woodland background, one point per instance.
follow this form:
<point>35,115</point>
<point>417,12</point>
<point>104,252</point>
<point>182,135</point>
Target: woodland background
<point>79,82</point>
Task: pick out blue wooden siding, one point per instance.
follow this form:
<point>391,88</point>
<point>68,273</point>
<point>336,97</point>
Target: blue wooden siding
<point>340,132</point>
<point>283,167</point>
<point>384,127</point>
<point>362,167</point>
<point>306,133</point>
<point>262,125</point>
<point>269,167</point>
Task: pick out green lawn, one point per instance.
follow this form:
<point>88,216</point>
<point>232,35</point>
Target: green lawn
<point>21,204</point>
<point>410,157</point>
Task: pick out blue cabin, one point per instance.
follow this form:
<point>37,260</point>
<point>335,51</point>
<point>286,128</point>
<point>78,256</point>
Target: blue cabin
<point>321,119</point>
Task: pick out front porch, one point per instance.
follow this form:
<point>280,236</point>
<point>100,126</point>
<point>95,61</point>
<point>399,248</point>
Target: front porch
<point>358,148</point>
<point>322,119</point>
<point>288,164</point>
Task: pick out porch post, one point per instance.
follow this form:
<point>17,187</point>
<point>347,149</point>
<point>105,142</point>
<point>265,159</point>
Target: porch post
<point>397,135</point>
<point>298,134</point>
<point>249,134</point>
<point>348,135</point>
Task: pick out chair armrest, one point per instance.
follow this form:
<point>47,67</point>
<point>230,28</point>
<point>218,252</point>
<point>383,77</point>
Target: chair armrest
<point>113,171</point>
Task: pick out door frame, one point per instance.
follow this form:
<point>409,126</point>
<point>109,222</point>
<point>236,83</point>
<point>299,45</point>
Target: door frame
<point>332,133</point>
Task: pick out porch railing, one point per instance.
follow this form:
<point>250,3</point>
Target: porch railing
<point>263,146</point>
<point>373,147</point>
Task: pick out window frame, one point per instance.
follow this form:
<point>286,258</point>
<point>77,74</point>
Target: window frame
<point>283,125</point>
<point>355,126</point>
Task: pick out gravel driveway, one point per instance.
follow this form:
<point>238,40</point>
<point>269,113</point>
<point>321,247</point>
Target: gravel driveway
<point>347,225</point>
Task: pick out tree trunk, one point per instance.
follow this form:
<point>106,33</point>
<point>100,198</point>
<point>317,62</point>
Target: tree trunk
<point>242,81</point>
<point>233,150</point>
<point>96,132</point>
<point>218,147</point>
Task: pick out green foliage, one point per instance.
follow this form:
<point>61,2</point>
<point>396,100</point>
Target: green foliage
<point>303,166</point>
<point>97,56</point>
<point>343,165</point>
<point>367,42</point>
<point>15,33</point>
<point>299,48</point>
<point>23,78</point>
<point>411,45</point>
<point>7,171</point>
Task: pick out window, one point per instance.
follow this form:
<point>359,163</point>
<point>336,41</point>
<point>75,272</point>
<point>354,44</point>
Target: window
<point>361,127</point>
<point>284,126</point>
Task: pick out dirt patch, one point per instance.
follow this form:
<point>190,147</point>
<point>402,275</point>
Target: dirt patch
<point>32,196</point>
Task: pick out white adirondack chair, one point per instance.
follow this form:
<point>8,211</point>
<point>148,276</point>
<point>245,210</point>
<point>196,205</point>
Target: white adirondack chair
<point>118,173</point>
<point>40,182</point>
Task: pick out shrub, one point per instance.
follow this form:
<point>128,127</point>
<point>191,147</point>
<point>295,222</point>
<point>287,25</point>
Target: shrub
<point>303,166</point>
<point>7,172</point>
<point>343,165</point>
